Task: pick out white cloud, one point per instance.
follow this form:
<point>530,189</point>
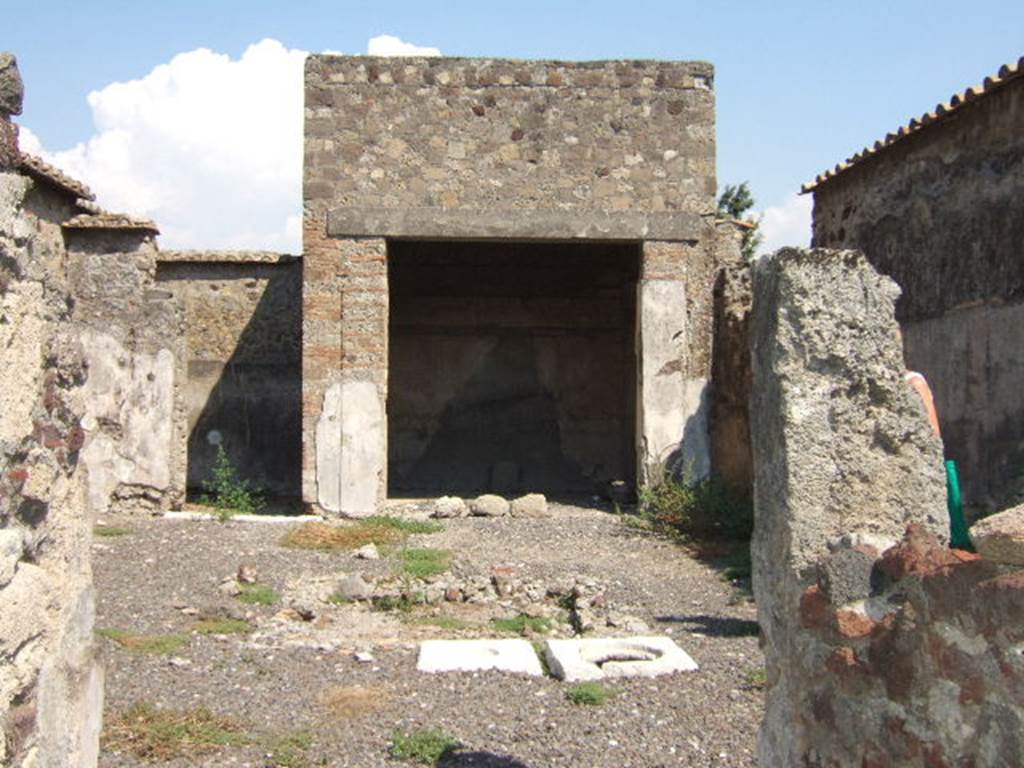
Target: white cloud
<point>787,224</point>
<point>389,45</point>
<point>209,147</point>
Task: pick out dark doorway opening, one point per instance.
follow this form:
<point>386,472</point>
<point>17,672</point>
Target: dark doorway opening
<point>511,367</point>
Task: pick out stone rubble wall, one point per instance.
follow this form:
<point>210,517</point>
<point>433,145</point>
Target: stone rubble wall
<point>242,362</point>
<point>51,686</point>
<point>133,337</point>
<point>882,646</point>
<point>939,212</point>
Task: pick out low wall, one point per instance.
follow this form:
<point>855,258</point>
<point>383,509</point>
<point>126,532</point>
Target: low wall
<point>240,362</point>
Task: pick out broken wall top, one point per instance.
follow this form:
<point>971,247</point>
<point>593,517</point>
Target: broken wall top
<point>436,148</point>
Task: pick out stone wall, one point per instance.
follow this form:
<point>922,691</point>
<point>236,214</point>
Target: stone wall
<point>939,212</point>
<point>51,687</point>
<point>883,647</point>
<point>131,333</point>
<point>458,149</point>
<point>241,362</point>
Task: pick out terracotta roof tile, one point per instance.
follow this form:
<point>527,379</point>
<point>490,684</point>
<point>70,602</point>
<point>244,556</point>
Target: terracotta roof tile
<point>40,169</point>
<point>106,220</point>
<point>941,111</point>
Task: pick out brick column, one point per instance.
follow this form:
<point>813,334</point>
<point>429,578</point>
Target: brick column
<point>672,386</point>
<point>345,357</point>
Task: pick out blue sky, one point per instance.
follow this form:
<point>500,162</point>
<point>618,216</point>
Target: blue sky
<point>800,85</point>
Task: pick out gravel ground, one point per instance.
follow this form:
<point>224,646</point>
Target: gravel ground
<point>153,579</point>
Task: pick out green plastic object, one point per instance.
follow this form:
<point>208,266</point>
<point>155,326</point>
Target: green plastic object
<point>958,538</point>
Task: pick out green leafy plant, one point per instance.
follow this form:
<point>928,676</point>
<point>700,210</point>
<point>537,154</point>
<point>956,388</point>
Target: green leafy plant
<point>425,746</point>
<point>228,492</point>
<point>420,563</point>
<point>110,531</point>
<point>258,594</point>
<point>521,624</point>
<point>164,734</point>
<point>590,694</point>
<point>707,508</point>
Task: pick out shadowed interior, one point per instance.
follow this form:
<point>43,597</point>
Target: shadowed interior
<point>511,366</point>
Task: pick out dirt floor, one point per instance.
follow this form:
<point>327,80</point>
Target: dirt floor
<point>305,682</point>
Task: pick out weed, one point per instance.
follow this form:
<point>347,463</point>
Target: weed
<point>636,522</point>
<point>590,693</point>
<point>404,603</point>
<point>340,600</point>
<point>229,493</point>
<point>406,526</point>
<point>443,622</point>
<point>757,678</point>
<point>425,746</point>
<point>707,508</point>
<point>223,627</point>
<point>158,645</point>
<point>421,563</point>
<point>522,624</point>
<point>110,531</point>
<point>352,701</point>
<point>288,750</point>
<point>258,594</point>
<point>164,734</point>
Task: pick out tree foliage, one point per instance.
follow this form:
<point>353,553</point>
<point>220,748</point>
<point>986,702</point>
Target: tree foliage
<point>734,203</point>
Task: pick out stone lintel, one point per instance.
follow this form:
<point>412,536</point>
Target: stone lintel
<point>514,224</point>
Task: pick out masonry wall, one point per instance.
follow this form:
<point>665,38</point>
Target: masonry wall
<point>240,362</point>
<point>939,211</point>
<point>132,337</point>
<point>51,686</point>
<point>884,648</point>
<point>458,149</point>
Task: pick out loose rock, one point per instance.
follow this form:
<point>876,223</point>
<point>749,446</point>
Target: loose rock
<point>353,587</point>
<point>489,505</point>
<point>1000,537</point>
<point>530,505</point>
<point>369,552</point>
<point>449,506</point>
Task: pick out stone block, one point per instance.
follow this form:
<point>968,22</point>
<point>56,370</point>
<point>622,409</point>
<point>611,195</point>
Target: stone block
<point>603,658</point>
<point>450,506</point>
<point>12,90</point>
<point>515,656</point>
<point>530,505</point>
<point>1000,537</point>
<point>489,505</point>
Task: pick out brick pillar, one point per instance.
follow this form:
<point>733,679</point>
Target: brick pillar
<point>345,357</point>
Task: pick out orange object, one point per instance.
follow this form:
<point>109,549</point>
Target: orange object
<point>920,385</point>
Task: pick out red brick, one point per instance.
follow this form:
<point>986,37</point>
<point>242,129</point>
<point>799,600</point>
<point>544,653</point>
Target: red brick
<point>815,610</point>
<point>852,624</point>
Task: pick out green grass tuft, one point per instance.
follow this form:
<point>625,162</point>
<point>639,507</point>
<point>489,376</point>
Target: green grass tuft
<point>258,594</point>
<point>443,622</point>
<point>521,624</point>
<point>421,563</point>
<point>223,627</point>
<point>425,746</point>
<point>110,531</point>
<point>406,526</point>
<point>165,734</point>
<point>379,530</point>
<point>590,694</point>
<point>158,645</point>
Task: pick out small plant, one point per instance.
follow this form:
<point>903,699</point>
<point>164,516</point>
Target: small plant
<point>707,508</point>
<point>258,594</point>
<point>424,746</point>
<point>229,493</point>
<point>222,627</point>
<point>590,694</point>
<point>288,750</point>
<point>757,678</point>
<point>406,526</point>
<point>522,624</point>
<point>110,531</point>
<point>157,645</point>
<point>165,734</point>
<point>443,622</point>
<point>421,563</point>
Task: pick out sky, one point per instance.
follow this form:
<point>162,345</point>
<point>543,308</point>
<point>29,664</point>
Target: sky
<point>190,112</point>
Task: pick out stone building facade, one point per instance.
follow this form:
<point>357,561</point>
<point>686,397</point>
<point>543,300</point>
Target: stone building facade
<point>507,277</point>
<point>937,206</point>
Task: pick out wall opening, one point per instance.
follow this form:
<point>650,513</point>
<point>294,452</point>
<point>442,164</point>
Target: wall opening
<point>511,366</point>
